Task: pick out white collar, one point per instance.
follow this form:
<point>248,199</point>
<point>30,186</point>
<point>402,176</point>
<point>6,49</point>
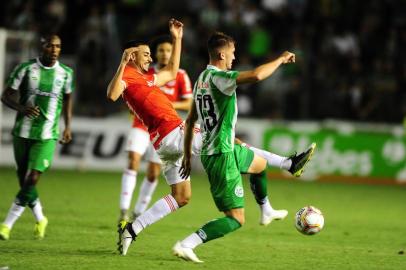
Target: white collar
<point>213,67</point>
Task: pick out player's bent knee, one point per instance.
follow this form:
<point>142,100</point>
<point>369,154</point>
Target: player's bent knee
<point>182,200</point>
<point>32,178</point>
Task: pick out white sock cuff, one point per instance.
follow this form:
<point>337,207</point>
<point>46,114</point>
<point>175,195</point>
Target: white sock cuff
<point>130,172</point>
<point>191,241</point>
<point>146,184</point>
<point>171,202</point>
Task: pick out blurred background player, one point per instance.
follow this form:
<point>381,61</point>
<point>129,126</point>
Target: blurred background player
<point>214,105</point>
<point>39,90</point>
<point>179,92</point>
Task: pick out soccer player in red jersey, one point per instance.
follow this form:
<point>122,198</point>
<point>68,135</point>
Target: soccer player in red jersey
<point>179,92</point>
<point>141,92</point>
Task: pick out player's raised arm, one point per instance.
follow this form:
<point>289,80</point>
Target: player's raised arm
<point>264,71</point>
<point>169,72</point>
<point>116,85</point>
<point>187,148</point>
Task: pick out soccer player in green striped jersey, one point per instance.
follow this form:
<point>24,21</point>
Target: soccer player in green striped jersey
<point>39,90</point>
<point>215,106</point>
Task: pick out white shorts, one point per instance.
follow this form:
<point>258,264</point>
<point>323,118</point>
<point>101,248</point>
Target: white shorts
<point>138,142</point>
<point>171,152</point>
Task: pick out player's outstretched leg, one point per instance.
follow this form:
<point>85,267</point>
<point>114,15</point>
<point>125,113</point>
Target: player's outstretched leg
<point>299,161</point>
<point>212,230</point>
<point>294,164</point>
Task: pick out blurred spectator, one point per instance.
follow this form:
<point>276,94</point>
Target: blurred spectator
<point>350,56</point>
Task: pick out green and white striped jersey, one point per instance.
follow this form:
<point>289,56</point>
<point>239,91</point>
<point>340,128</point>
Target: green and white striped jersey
<point>44,87</point>
<point>216,104</point>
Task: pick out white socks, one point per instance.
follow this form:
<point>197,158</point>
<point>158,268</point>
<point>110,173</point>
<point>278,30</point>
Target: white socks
<point>144,197</point>
<point>13,214</point>
<point>271,158</point>
<point>160,209</point>
<point>191,241</point>
<point>37,211</point>
<point>128,181</point>
<point>266,208</point>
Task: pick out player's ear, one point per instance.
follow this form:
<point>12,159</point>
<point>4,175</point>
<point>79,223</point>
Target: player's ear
<point>222,55</point>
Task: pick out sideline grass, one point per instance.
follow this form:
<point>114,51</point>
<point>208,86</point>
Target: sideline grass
<point>365,228</point>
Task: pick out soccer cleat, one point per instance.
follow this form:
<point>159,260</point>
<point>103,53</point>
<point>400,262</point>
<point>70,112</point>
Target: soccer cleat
<point>4,232</point>
<point>266,219</point>
<point>40,227</point>
<point>126,236</point>
<point>185,253</point>
<point>300,161</point>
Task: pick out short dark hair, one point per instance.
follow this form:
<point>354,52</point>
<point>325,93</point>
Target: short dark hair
<point>47,38</point>
<point>216,41</point>
<point>134,43</point>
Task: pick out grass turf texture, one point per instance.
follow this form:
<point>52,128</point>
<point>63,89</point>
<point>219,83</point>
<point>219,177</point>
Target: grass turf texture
<point>365,227</point>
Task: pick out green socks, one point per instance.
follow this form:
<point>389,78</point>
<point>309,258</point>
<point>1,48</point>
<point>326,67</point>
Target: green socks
<point>218,228</point>
<point>258,184</point>
<point>27,195</point>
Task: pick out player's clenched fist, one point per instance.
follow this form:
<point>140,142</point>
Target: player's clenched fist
<point>288,57</point>
<point>176,28</point>
<point>129,55</point>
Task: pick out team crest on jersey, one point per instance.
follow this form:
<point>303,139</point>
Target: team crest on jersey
<point>46,163</point>
<point>58,83</point>
<point>239,191</point>
<point>150,83</point>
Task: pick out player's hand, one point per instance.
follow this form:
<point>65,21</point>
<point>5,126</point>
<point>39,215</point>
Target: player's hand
<point>288,57</point>
<point>66,136</point>
<point>30,112</point>
<point>186,167</point>
<point>129,55</point>
<point>176,28</point>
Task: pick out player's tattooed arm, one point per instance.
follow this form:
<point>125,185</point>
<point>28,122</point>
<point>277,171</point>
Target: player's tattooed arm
<point>186,167</point>
<point>168,73</point>
<point>264,71</point>
<point>116,86</point>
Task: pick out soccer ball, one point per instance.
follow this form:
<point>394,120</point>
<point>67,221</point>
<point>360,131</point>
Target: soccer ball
<point>309,220</point>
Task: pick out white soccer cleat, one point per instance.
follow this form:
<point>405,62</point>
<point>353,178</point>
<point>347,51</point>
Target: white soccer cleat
<point>266,218</point>
<point>125,237</point>
<point>185,253</point>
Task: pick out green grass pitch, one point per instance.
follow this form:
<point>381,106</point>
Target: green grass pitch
<point>365,228</point>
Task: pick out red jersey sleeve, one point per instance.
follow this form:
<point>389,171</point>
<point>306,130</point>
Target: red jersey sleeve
<point>185,85</point>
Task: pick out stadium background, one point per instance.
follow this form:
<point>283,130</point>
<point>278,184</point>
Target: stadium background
<point>346,92</point>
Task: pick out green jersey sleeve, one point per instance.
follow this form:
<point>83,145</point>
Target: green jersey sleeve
<point>16,77</point>
<point>69,85</point>
<point>225,81</point>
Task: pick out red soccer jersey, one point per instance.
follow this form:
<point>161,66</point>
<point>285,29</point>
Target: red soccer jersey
<point>149,104</point>
<point>176,90</point>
